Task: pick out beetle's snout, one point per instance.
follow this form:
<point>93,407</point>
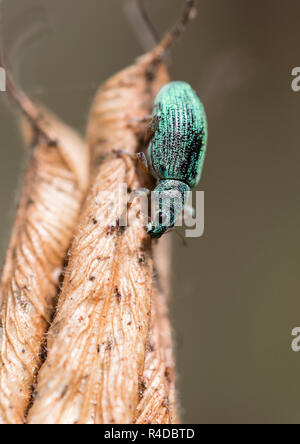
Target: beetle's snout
<point>156,231</point>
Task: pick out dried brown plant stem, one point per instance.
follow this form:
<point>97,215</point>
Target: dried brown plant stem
<point>158,404</point>
<point>153,407</point>
<point>163,264</point>
<point>189,14</point>
<point>97,343</point>
<point>55,184</point>
<point>27,107</point>
<point>96,346</point>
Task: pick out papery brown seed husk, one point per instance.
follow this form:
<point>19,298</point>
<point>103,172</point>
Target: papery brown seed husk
<point>98,340</point>
<point>97,344</point>
<point>158,404</point>
<point>55,184</point>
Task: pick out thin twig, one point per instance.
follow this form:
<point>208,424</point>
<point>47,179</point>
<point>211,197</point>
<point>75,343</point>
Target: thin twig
<point>26,29</point>
<point>189,14</point>
<point>21,99</point>
<point>148,22</point>
<point>141,23</point>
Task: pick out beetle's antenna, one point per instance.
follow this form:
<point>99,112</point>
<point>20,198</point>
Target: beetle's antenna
<point>20,98</point>
<point>184,242</point>
<point>142,23</point>
<point>232,69</point>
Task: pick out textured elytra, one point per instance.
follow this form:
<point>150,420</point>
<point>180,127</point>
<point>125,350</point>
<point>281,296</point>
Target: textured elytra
<point>178,147</point>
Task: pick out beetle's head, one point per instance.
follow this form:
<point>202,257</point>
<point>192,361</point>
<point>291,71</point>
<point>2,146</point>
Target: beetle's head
<point>168,201</point>
<point>156,230</point>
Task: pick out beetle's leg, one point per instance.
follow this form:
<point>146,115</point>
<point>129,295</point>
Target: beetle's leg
<point>151,120</point>
<point>143,162</point>
<point>122,153</point>
<point>140,120</point>
<point>151,129</point>
<point>154,123</point>
<point>184,242</point>
<point>140,157</point>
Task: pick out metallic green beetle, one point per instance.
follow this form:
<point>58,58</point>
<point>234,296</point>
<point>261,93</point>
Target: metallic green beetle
<point>176,152</point>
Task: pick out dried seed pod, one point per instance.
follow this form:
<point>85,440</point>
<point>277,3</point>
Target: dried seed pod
<point>97,343</point>
<point>98,340</point>
<point>163,324</point>
<point>55,184</point>
<point>158,404</point>
<point>153,407</point>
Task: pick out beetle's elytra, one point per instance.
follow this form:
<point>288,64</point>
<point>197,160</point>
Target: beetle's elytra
<point>176,152</point>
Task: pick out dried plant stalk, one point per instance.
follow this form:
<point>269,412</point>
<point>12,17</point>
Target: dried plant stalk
<point>98,340</point>
<point>163,265</point>
<point>55,183</point>
<point>154,405</point>
<point>97,343</point>
<point>158,404</point>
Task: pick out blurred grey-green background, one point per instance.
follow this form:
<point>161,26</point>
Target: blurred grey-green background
<point>236,291</point>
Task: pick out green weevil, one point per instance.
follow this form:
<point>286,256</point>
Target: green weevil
<point>176,152</point>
